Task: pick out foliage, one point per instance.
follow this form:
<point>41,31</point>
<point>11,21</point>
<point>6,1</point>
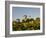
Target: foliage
<point>29,24</point>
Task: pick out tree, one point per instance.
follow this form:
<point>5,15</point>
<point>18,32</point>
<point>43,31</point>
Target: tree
<point>23,20</point>
<point>18,20</point>
<point>30,16</point>
<point>31,19</point>
<point>25,16</point>
<point>27,20</point>
<point>38,19</point>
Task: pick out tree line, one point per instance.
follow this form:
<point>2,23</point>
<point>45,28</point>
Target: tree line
<point>26,24</point>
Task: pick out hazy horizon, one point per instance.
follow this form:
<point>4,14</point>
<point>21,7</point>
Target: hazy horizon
<point>19,12</point>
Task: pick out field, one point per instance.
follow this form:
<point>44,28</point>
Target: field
<point>26,24</point>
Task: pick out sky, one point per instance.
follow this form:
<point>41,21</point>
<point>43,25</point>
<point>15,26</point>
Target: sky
<point>19,12</point>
